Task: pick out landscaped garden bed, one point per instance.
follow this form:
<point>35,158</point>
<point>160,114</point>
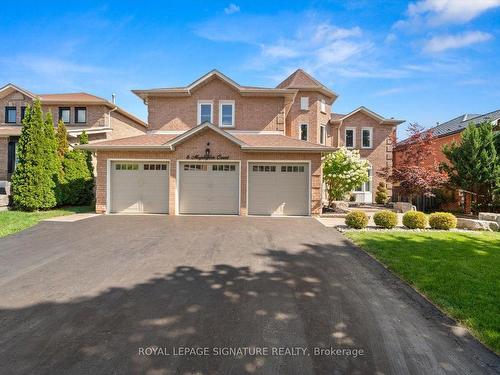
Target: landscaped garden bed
<point>457,271</point>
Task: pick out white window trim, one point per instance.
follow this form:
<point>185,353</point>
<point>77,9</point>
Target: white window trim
<point>322,105</point>
<point>371,137</point>
<point>300,131</point>
<point>320,141</point>
<point>200,102</point>
<point>226,102</point>
<point>306,107</point>
<point>353,137</point>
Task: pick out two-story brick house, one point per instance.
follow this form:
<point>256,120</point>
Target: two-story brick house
<point>100,119</point>
<point>217,147</point>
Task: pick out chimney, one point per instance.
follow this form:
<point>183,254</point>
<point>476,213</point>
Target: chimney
<point>113,98</point>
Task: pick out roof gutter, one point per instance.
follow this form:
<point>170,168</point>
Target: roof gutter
<point>92,147</point>
<point>287,149</point>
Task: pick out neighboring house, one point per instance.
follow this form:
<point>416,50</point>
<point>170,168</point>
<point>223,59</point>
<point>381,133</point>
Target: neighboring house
<point>217,147</point>
<point>100,118</point>
<point>446,133</point>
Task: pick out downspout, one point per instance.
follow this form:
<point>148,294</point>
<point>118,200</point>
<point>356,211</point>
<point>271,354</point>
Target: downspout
<point>338,134</point>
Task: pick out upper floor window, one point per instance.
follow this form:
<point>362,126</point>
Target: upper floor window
<point>64,114</point>
<point>322,105</point>
<point>322,134</point>
<point>23,112</point>
<point>350,138</point>
<point>304,103</point>
<point>303,132</point>
<point>10,115</point>
<point>367,137</point>
<point>226,114</point>
<point>205,111</point>
<point>80,115</point>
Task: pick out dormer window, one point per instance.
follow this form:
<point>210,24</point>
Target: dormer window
<point>226,114</point>
<point>304,103</point>
<point>205,110</point>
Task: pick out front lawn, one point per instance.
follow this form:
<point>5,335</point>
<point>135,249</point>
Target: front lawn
<point>16,221</point>
<point>459,272</point>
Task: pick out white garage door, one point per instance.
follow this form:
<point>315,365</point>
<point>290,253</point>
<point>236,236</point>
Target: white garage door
<point>278,189</point>
<point>139,187</point>
<point>209,188</point>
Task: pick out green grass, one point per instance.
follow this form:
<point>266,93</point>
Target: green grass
<point>16,221</point>
<point>459,272</point>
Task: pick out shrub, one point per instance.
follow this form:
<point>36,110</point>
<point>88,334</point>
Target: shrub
<point>415,220</point>
<point>442,220</point>
<point>356,219</point>
<point>381,195</point>
<point>77,186</point>
<point>386,219</point>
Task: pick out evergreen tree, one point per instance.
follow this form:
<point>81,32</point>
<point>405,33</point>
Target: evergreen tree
<point>32,182</point>
<point>78,176</point>
<point>84,139</point>
<point>62,146</point>
<point>381,195</point>
<point>474,164</point>
<point>62,139</point>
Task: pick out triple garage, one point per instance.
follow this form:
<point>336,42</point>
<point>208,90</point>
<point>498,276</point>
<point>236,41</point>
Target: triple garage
<point>210,187</point>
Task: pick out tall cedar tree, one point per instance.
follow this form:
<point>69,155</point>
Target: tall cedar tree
<point>474,163</point>
<point>62,148</point>
<point>62,139</point>
<point>33,180</point>
<point>418,171</point>
<point>84,139</point>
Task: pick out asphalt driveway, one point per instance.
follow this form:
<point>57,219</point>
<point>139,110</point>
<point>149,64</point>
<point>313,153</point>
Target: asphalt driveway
<point>131,294</point>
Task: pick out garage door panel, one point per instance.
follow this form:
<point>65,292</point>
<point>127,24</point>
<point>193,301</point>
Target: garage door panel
<point>139,187</point>
<point>209,188</point>
<point>278,189</point>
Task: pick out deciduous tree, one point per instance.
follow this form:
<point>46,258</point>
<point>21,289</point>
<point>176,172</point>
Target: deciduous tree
<point>343,171</point>
<point>418,170</point>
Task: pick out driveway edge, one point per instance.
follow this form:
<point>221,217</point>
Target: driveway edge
<point>486,357</point>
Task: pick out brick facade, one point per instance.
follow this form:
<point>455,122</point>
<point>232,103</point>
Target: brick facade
<point>251,113</point>
<point>380,154</point>
<point>313,117</point>
<point>197,145</point>
<point>98,116</point>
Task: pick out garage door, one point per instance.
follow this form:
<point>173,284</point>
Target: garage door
<point>278,189</point>
<point>209,188</point>
<point>139,187</point>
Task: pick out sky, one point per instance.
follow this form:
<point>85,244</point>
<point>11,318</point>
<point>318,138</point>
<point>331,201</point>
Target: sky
<point>424,61</point>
